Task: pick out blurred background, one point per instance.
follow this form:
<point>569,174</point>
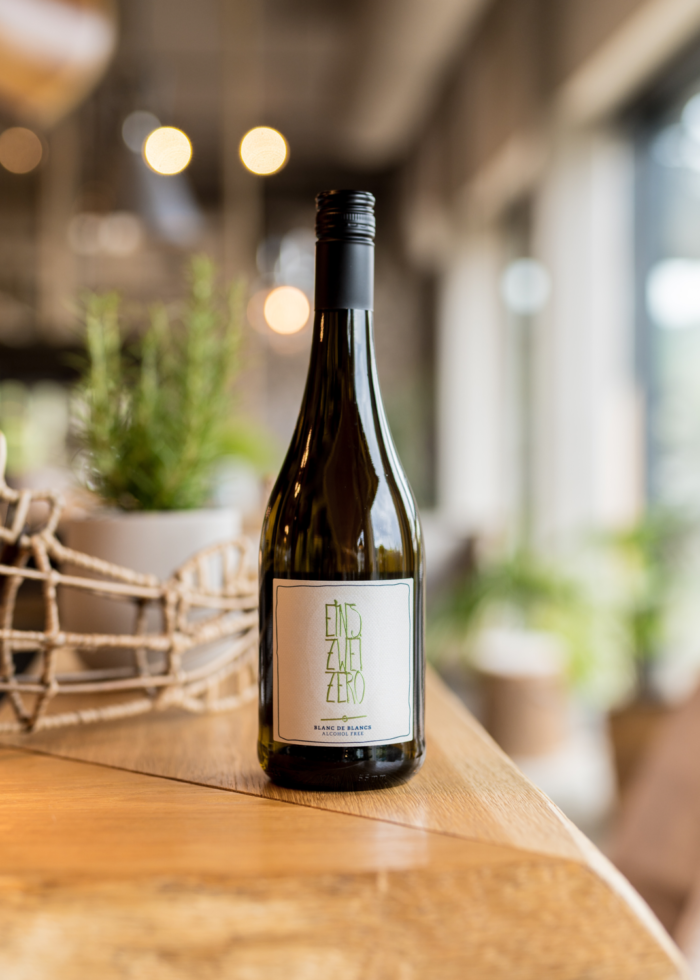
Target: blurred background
<point>536,165</point>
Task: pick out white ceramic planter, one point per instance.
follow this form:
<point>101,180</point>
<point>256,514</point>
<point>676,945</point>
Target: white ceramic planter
<point>151,542</point>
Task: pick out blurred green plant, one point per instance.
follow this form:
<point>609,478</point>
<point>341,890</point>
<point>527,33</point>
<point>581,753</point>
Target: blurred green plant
<point>521,591</point>
<point>34,419</point>
<point>649,555</point>
<point>612,614</point>
<point>153,420</point>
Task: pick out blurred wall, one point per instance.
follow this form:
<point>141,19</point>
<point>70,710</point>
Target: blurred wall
<point>459,115</point>
<point>532,113</point>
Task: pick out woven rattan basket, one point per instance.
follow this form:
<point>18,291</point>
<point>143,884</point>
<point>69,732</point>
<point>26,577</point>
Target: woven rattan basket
<point>212,597</point>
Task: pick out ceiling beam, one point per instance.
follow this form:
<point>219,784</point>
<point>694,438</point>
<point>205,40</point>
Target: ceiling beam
<point>405,48</point>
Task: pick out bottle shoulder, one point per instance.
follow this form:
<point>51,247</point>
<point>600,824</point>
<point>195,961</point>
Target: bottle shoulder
<point>344,504</point>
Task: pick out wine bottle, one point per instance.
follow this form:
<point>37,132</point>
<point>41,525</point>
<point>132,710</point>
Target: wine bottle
<point>341,554</point>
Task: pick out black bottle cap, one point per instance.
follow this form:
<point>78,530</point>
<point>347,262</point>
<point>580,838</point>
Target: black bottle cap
<point>345,216</point>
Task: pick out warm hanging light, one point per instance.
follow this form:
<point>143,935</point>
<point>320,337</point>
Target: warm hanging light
<point>53,53</point>
<point>264,151</point>
<point>20,150</point>
<point>167,150</point>
<point>286,310</point>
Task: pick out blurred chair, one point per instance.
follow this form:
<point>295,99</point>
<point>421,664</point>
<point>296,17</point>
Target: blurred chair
<point>656,840</point>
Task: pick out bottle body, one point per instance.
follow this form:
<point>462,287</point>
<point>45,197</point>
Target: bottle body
<point>341,584</point>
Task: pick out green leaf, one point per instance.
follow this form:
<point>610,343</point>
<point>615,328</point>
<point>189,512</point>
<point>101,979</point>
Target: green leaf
<point>153,420</point>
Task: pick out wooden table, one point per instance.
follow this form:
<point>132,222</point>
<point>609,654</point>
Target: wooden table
<point>156,848</point>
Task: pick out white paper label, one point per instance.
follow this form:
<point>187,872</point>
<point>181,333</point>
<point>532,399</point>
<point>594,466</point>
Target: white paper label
<point>343,662</point>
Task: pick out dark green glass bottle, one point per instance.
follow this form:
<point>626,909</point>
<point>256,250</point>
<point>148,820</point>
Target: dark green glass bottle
<point>341,554</point>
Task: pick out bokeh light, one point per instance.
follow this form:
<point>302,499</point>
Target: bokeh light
<point>83,233</point>
<point>525,287</point>
<point>673,293</point>
<point>691,117</point>
<point>167,150</point>
<point>137,127</point>
<point>264,151</point>
<point>118,233</point>
<point>20,150</point>
<point>286,310</point>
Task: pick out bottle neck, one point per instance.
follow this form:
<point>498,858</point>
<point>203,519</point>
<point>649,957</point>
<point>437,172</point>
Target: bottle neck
<point>342,403</point>
<point>344,275</point>
<point>341,367</point>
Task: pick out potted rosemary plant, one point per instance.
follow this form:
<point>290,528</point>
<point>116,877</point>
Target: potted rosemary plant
<point>152,421</point>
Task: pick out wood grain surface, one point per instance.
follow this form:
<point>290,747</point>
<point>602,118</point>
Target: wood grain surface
<point>113,874</point>
<point>64,813</point>
<point>167,854</point>
<point>467,787</point>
